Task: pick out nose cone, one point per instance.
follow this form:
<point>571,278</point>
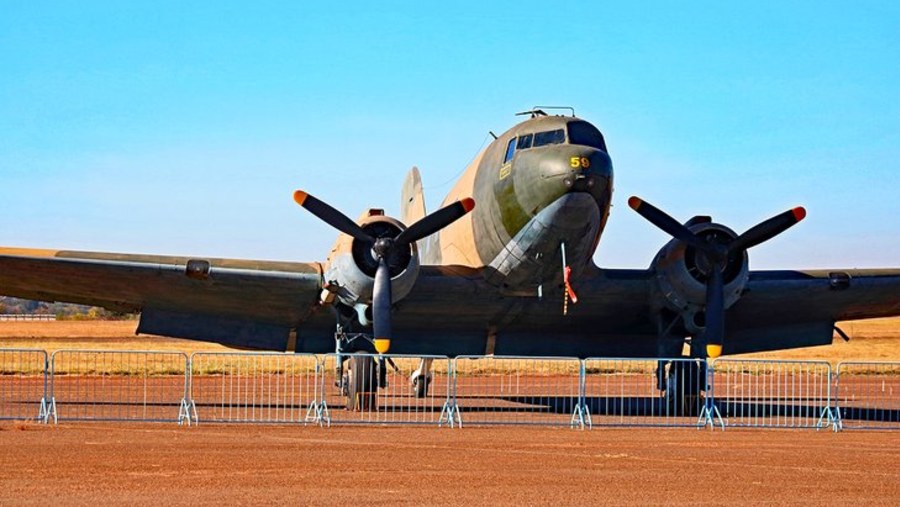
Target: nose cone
<point>575,168</point>
<point>544,175</point>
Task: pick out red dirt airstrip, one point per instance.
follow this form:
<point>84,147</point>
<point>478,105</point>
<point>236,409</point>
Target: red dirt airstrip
<point>164,464</point>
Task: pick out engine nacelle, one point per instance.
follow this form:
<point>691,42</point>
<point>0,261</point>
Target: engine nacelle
<point>681,274</point>
<point>350,274</point>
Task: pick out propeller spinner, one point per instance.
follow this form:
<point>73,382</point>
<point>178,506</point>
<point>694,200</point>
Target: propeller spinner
<point>382,249</point>
<point>716,257</point>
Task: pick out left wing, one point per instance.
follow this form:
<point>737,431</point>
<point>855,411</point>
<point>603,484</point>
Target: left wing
<point>253,304</point>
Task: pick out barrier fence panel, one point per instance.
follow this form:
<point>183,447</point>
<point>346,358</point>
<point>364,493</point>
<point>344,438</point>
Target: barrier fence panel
<point>351,394</point>
<point>97,385</point>
<point>867,395</point>
<point>645,392</point>
<point>518,390</point>
<point>23,384</point>
<point>782,394</point>
<point>255,387</point>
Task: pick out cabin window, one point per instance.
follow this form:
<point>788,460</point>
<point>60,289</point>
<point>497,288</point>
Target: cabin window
<point>585,134</point>
<point>510,150</point>
<point>549,137</point>
<point>524,142</point>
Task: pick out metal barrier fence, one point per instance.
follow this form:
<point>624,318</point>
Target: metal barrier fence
<point>867,395</point>
<point>472,390</point>
<point>23,384</point>
<point>773,394</point>
<point>647,392</point>
<point>351,397</point>
<point>258,387</point>
<point>518,390</point>
<point>105,385</point>
<point>26,317</point>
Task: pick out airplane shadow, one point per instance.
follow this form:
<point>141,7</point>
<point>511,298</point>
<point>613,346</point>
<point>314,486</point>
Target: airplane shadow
<point>645,406</point>
<point>870,414</point>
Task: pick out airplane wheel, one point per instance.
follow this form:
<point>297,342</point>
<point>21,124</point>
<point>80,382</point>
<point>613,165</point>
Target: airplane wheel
<point>362,384</point>
<point>684,387</point>
<point>420,386</point>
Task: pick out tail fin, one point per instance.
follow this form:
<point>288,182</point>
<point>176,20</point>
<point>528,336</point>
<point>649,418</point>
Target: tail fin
<point>412,201</point>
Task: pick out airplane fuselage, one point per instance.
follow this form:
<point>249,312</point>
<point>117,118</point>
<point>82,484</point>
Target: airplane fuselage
<point>543,190</point>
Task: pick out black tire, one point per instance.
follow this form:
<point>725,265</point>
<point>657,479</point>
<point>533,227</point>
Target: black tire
<point>420,386</point>
<point>362,380</point>
<point>685,385</point>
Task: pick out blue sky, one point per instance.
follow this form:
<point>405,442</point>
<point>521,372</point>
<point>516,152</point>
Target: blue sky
<point>184,129</point>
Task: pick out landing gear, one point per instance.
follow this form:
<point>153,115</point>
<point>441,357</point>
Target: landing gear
<point>685,384</point>
<point>420,379</point>
<point>362,384</point>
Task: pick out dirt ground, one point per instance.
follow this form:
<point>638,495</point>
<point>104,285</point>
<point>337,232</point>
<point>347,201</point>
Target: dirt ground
<point>159,464</point>
<point>163,464</point>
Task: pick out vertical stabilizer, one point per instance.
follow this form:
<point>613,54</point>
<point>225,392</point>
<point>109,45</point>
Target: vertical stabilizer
<point>412,201</point>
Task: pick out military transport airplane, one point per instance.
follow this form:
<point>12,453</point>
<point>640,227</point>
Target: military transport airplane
<point>496,270</point>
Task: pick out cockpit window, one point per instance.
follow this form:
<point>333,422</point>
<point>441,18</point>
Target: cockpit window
<point>525,142</point>
<point>549,137</point>
<point>585,134</point>
<point>510,150</point>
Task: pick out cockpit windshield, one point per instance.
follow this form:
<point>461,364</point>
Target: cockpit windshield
<point>549,137</point>
<point>585,134</point>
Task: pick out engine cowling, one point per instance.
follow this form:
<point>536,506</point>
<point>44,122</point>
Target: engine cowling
<point>350,272</point>
<point>682,272</point>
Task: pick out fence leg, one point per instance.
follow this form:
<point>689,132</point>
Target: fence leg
<point>318,410</point>
<point>581,417</point>
<point>184,412</point>
<point>51,411</point>
<point>44,414</point>
<point>828,418</point>
<point>709,415</point>
<point>450,415</point>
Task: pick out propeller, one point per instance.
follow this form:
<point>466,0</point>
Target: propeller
<point>383,248</point>
<point>716,255</point>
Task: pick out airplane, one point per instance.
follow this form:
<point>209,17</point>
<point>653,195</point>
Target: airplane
<point>503,267</point>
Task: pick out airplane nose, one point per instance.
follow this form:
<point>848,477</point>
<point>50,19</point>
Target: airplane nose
<point>577,169</point>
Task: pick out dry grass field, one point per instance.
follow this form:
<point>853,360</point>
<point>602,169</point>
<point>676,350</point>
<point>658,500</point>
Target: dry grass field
<point>873,340</point>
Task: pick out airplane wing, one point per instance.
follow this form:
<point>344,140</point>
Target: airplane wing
<point>615,315</point>
<point>789,309</point>
<point>451,309</point>
<point>252,304</point>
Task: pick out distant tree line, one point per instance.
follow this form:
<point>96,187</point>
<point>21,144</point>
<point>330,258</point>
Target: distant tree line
<point>62,311</point>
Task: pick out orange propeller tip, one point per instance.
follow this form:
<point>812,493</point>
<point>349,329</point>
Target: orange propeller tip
<point>468,204</point>
<point>635,202</point>
<point>799,213</point>
<point>300,197</point>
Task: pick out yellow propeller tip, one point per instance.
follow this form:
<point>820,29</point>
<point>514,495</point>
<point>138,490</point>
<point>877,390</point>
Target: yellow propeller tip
<point>382,345</point>
<point>713,351</point>
<point>300,197</point>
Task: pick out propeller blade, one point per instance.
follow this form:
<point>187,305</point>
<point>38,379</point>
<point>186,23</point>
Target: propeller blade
<point>381,307</point>
<point>767,229</point>
<point>715,312</point>
<point>436,221</point>
<point>668,224</point>
<point>331,216</point>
